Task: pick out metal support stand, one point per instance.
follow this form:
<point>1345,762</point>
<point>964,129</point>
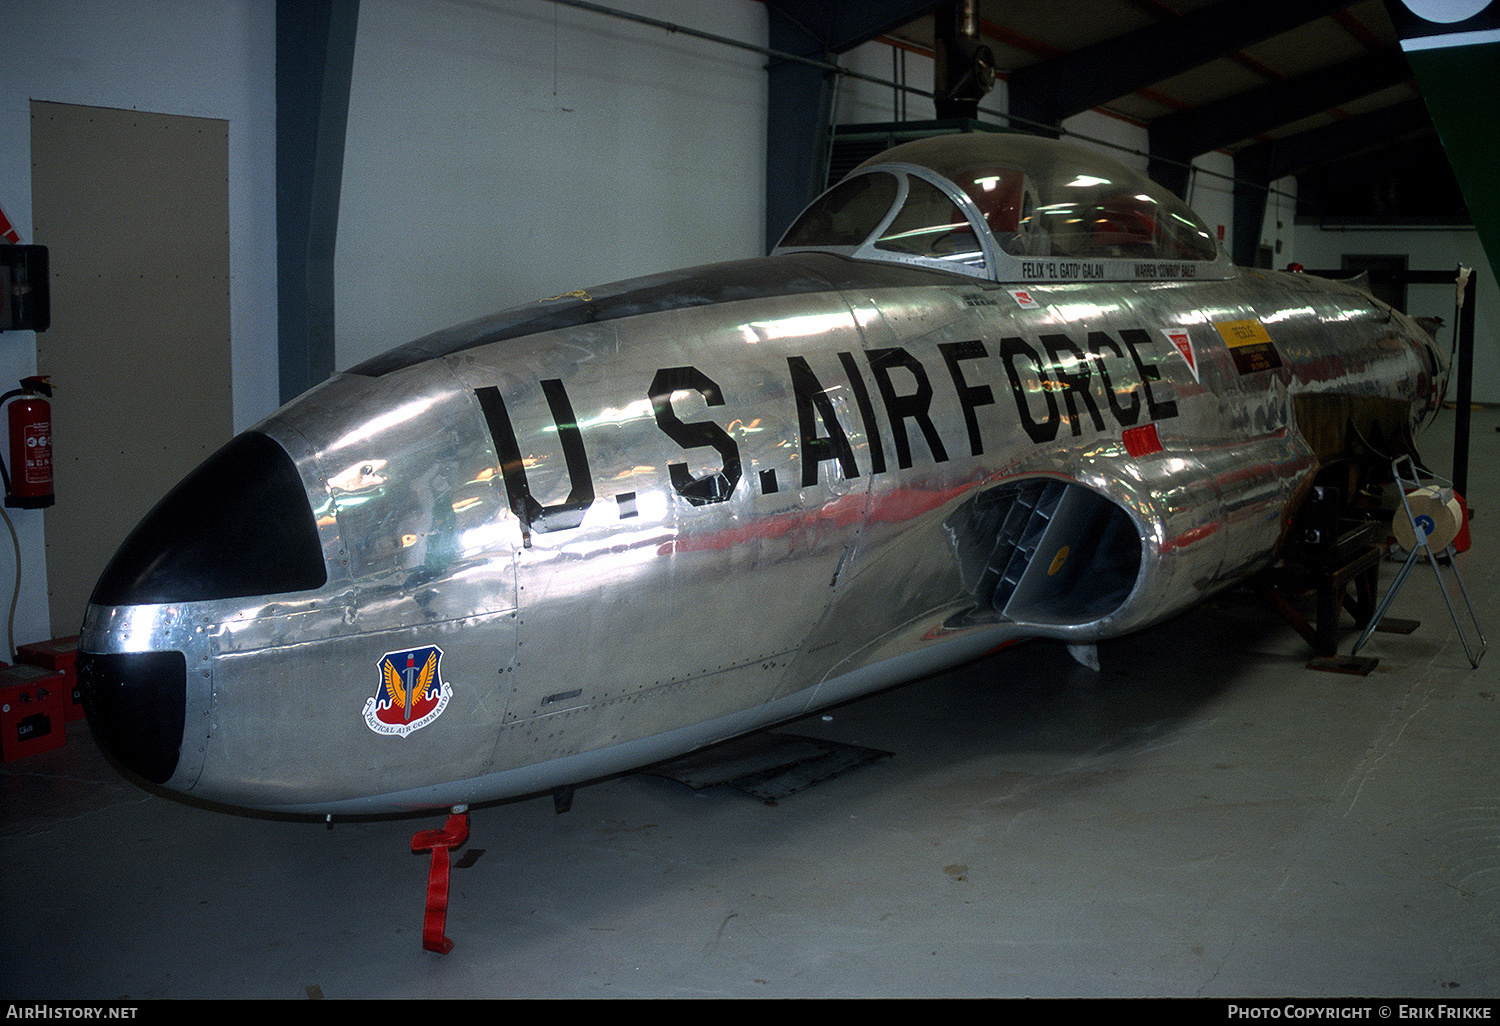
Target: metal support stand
<point>1421,528</point>
<point>1338,556</point>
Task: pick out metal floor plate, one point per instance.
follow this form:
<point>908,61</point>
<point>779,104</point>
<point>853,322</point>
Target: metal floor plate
<point>769,766</point>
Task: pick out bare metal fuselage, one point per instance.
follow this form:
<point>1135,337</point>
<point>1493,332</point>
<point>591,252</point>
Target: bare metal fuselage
<point>636,522</point>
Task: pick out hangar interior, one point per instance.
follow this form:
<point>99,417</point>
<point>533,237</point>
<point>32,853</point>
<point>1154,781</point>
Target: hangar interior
<point>241,199</point>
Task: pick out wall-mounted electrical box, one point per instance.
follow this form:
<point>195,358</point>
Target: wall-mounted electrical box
<point>25,293</point>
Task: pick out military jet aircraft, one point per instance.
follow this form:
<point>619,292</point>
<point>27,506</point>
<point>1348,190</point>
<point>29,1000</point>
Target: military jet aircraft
<point>988,387</point>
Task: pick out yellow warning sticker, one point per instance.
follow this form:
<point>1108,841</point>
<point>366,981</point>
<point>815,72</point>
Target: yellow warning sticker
<point>1250,345</point>
<point>1058,561</point>
<point>1243,333</point>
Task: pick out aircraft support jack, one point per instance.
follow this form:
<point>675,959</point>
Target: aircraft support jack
<point>1085,655</point>
<point>453,833</point>
<point>1354,562</point>
<point>1422,528</point>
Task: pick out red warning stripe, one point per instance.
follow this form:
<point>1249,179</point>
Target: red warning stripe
<point>1141,441</point>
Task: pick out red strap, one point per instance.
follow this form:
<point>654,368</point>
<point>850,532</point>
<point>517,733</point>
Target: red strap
<point>453,833</point>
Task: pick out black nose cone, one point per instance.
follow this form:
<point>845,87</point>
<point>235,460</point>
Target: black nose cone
<point>136,702</point>
<point>238,526</point>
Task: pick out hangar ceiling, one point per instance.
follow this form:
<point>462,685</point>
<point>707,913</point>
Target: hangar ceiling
<point>1313,88</point>
<point>1177,65</point>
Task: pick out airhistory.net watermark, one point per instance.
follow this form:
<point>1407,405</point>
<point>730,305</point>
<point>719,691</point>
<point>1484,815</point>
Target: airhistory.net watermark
<point>44,1011</point>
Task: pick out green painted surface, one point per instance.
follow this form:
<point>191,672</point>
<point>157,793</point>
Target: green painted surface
<point>1461,86</point>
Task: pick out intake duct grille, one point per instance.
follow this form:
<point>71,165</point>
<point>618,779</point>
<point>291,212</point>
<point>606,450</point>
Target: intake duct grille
<point>1046,552</point>
<point>1027,513</point>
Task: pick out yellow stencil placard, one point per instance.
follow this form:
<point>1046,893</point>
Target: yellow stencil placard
<point>1243,333</point>
<point>1249,345</point>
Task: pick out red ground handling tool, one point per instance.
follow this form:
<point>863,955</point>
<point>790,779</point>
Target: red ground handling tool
<point>60,655</point>
<point>33,710</point>
<point>453,833</point>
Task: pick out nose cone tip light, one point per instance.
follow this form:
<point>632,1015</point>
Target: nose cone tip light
<point>136,703</point>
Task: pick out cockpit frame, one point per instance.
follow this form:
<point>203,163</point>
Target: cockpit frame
<point>1122,227</point>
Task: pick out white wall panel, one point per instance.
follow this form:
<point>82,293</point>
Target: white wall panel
<point>1120,140</point>
<point>861,102</point>
<point>1279,227</point>
<point>504,151</point>
<point>1427,250</point>
<point>211,60</point>
<point>1211,194</point>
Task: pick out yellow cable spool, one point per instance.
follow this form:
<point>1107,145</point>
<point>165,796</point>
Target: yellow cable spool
<point>1436,511</point>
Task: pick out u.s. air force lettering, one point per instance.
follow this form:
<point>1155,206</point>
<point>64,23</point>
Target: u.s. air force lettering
<point>1052,382</point>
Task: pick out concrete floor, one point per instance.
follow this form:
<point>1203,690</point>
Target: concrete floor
<point>1203,817</point>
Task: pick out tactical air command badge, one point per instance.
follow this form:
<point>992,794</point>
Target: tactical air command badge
<point>412,692</point>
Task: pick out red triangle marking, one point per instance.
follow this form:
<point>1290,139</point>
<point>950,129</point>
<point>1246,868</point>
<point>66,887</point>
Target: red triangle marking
<point>1184,346</point>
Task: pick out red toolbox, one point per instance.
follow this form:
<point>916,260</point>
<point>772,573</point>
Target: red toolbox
<point>33,711</point>
<point>61,656</point>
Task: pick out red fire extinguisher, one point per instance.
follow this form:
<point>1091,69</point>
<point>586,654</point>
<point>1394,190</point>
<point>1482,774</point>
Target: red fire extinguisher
<point>28,485</point>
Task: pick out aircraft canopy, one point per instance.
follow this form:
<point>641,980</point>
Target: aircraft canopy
<point>1010,208</point>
